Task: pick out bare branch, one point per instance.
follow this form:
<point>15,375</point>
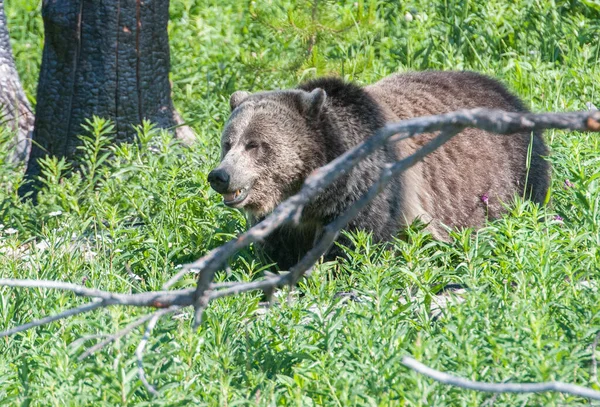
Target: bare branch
<point>491,120</point>
<point>154,299</point>
<point>168,300</point>
<point>139,352</point>
<point>65,314</point>
<point>331,231</point>
<point>499,387</point>
<point>183,132</point>
<point>118,335</point>
<point>57,285</point>
<point>453,123</point>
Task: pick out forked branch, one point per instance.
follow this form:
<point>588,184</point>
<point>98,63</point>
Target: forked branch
<point>168,300</point>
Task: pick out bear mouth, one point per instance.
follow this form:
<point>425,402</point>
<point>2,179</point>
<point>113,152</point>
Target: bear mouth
<point>235,198</point>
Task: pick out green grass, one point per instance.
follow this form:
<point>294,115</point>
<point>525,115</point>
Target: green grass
<point>533,307</point>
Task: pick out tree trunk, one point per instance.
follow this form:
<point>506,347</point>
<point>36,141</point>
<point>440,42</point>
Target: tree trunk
<point>108,58</point>
<point>14,107</point>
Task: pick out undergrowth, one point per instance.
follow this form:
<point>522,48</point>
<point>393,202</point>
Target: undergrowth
<point>132,214</point>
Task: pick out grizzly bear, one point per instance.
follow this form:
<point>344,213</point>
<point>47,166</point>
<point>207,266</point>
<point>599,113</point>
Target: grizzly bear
<point>274,140</point>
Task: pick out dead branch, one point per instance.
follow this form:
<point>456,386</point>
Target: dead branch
<point>167,300</point>
<point>495,121</point>
<point>139,352</point>
<point>44,321</point>
<point>118,335</point>
<point>446,378</point>
<point>154,299</point>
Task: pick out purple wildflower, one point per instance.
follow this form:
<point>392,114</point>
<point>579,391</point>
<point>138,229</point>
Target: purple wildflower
<point>568,184</point>
<point>485,198</point>
<point>84,280</point>
<point>558,218</point>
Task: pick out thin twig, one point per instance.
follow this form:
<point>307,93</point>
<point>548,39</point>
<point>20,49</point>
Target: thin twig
<point>43,321</point>
<point>86,338</point>
<point>155,299</point>
<point>56,285</point>
<point>139,352</point>
<point>499,387</point>
<point>118,335</point>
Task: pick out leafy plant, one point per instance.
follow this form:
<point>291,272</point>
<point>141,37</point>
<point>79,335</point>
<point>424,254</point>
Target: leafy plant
<point>133,213</point>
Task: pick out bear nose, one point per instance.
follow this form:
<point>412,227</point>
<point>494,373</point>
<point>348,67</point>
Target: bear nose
<point>219,180</point>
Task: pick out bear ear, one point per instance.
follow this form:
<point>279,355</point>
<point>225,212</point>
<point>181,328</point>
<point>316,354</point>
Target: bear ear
<point>237,98</point>
<point>313,102</point>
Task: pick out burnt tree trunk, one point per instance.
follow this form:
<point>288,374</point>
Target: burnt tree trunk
<point>108,58</point>
<point>15,111</point>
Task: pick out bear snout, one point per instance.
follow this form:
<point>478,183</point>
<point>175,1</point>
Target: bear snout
<point>219,180</point>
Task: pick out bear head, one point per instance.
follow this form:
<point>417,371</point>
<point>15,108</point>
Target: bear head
<point>269,145</point>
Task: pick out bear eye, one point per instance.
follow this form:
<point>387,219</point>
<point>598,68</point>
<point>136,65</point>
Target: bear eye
<point>251,145</point>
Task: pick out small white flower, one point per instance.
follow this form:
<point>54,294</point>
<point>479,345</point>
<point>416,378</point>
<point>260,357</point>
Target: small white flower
<point>118,251</point>
<point>55,213</point>
<point>11,231</point>
<point>178,266</point>
<point>408,17</point>
<point>135,277</point>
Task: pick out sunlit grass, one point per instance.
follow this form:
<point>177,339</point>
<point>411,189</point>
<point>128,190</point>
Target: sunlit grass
<point>131,217</point>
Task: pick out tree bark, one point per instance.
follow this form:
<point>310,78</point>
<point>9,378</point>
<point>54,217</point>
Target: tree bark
<point>108,58</point>
<point>14,106</point>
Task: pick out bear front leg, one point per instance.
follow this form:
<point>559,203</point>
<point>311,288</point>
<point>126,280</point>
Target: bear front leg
<point>286,245</point>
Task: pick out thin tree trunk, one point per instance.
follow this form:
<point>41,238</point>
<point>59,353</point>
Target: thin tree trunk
<point>108,58</point>
<point>14,107</point>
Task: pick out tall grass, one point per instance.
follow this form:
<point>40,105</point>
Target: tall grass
<point>136,212</point>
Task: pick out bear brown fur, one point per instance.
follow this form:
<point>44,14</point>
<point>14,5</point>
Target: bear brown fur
<point>274,140</point>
